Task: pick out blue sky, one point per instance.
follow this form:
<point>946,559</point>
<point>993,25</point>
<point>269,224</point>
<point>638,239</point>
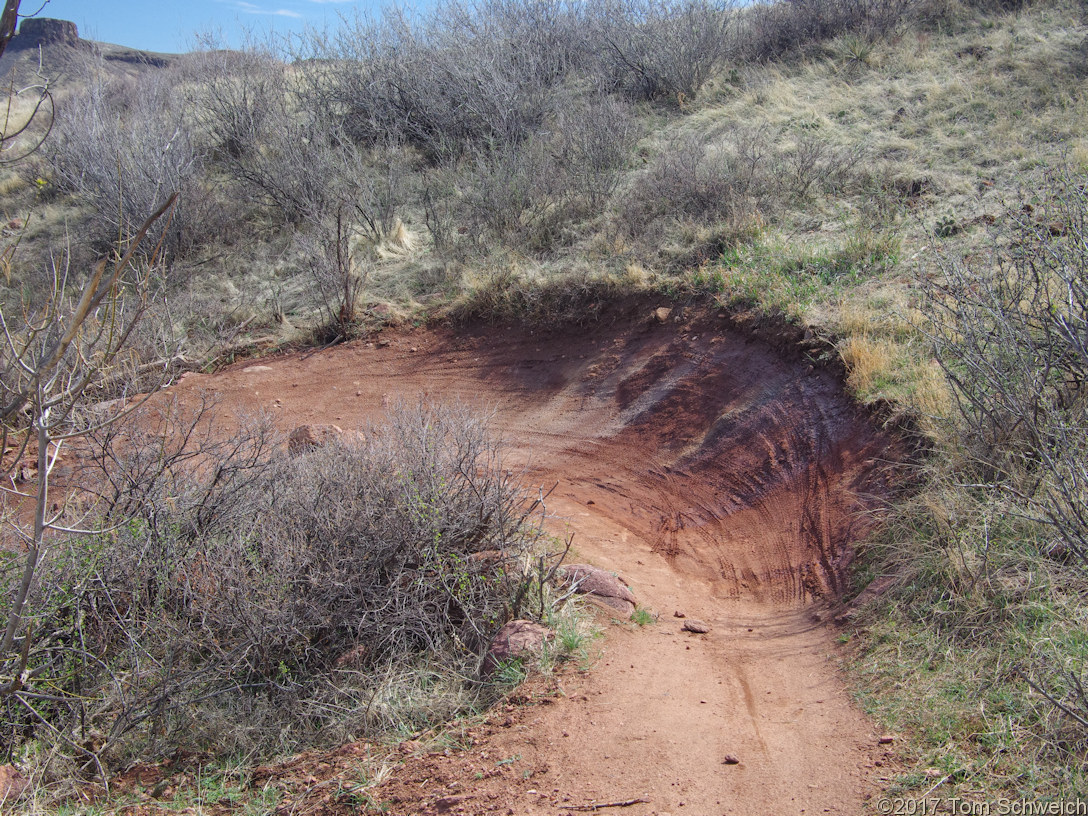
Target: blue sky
<point>169,26</point>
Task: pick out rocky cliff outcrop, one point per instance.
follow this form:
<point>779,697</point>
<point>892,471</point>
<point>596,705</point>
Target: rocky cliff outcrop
<point>35,31</point>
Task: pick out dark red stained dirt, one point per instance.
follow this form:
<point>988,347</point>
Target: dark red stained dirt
<point>720,476</point>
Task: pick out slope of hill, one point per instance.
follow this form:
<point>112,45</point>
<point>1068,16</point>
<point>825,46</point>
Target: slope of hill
<point>901,184</point>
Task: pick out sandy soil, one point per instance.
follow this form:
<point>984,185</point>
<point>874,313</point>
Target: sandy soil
<point>722,479</point>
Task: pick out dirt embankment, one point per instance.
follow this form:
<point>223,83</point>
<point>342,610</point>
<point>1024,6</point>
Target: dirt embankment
<point>722,479</point>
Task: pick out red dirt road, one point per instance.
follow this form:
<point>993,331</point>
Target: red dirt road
<point>719,478</point>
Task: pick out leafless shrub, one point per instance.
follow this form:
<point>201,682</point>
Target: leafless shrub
<point>528,195</point>
<point>691,181</point>
<point>514,194</point>
<point>777,28</point>
<point>688,178</point>
<point>659,49</point>
<point>290,154</point>
<point>438,198</point>
<point>460,77</point>
<point>239,578</point>
<point>594,137</point>
<point>813,164</point>
<point>54,358</point>
<point>338,268</point>
<point>741,172</point>
<point>241,97</point>
<point>124,147</point>
<point>1012,337</point>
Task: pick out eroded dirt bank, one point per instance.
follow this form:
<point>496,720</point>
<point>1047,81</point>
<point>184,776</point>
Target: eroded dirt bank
<point>720,479</point>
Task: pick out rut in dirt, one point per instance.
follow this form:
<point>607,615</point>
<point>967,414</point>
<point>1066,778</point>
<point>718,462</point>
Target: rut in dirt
<point>740,464</point>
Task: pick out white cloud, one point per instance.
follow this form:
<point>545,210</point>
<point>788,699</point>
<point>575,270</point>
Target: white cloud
<point>253,8</point>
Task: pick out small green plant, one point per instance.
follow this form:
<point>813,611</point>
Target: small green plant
<point>511,672</point>
<point>643,616</point>
<point>946,225</point>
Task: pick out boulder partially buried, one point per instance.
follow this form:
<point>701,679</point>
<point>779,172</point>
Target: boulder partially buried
<point>305,438</point>
<point>602,586</point>
<point>518,638</point>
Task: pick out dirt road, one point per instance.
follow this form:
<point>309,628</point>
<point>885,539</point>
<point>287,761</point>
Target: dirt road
<point>722,480</point>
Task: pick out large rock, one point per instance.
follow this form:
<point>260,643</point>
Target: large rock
<point>305,438</point>
<point>602,586</point>
<point>12,786</point>
<point>518,638</point>
<point>35,31</point>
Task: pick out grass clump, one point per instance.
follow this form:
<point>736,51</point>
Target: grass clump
<point>643,617</point>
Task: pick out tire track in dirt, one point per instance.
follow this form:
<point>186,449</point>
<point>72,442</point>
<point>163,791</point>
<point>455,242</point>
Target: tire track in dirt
<point>719,479</point>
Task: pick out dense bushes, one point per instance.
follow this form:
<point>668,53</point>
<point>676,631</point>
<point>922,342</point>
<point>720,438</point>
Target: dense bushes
<point>775,29</point>
<point>657,49</point>
<point>125,147</point>
<point>238,584</point>
<point>496,72</point>
<point>508,124</point>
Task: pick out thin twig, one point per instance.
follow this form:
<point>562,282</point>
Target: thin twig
<point>602,805</point>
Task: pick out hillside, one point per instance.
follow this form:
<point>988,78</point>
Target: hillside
<point>884,198</point>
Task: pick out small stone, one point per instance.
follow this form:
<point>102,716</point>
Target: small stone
<point>696,627</point>
<point>886,739</point>
<point>662,313</point>
<point>678,614</point>
<point>729,759</point>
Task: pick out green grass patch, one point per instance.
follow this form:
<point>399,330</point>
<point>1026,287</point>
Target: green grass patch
<point>955,656</point>
<point>786,277</point>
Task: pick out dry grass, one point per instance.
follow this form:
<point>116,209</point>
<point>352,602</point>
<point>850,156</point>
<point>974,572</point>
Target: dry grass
<point>867,362</point>
<point>11,183</point>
